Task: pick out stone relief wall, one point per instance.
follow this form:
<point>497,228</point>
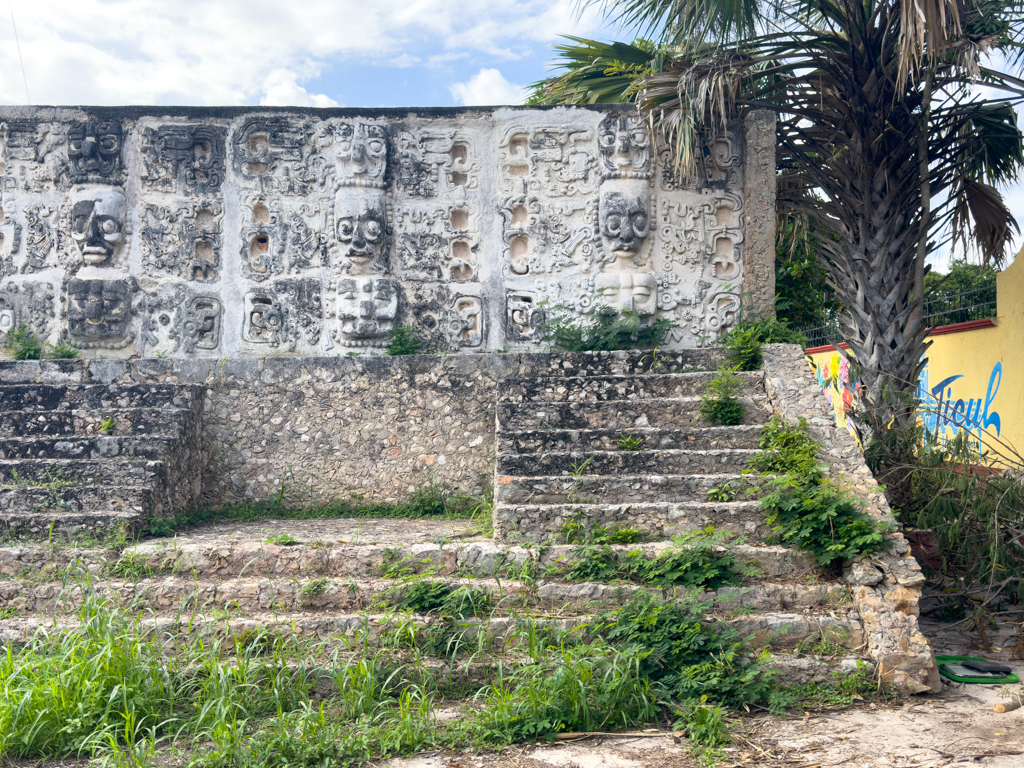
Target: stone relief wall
<point>179,232</point>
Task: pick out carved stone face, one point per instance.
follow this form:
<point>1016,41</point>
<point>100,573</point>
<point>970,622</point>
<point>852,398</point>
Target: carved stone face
<point>361,155</point>
<point>361,228</point>
<point>94,149</point>
<point>634,292</point>
<point>97,222</point>
<point>99,310</point>
<point>624,145</point>
<point>623,219</point>
<point>366,309</point>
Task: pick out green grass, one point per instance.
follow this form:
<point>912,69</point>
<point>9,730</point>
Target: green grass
<point>112,690</point>
<point>428,501</point>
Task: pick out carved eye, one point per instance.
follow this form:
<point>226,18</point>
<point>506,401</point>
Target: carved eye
<point>372,229</point>
<point>640,223</point>
<point>345,148</point>
<point>613,223</point>
<point>345,229</point>
<point>608,139</point>
<point>75,145</point>
<point>108,226</point>
<point>376,146</point>
<point>81,224</point>
<point>108,143</point>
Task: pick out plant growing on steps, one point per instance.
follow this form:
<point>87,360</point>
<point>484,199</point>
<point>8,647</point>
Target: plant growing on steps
<point>61,351</point>
<point>604,329</point>
<point>404,341</point>
<point>803,507</point>
<point>745,340</point>
<point>630,442</point>
<point>22,343</point>
<point>697,560</point>
<point>721,404</point>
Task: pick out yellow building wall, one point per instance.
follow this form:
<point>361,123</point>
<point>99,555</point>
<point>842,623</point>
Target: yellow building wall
<point>974,379</point>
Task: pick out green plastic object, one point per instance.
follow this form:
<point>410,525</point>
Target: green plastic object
<point>949,666</point>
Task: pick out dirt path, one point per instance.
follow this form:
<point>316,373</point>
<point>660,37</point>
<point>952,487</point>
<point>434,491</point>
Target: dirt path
<point>957,727</point>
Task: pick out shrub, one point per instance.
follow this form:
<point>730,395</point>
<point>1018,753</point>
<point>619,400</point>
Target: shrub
<point>22,343</point>
<point>404,341</point>
<point>605,329</point>
<point>748,336</point>
<point>62,351</point>
<point>721,404</point>
<point>803,507</point>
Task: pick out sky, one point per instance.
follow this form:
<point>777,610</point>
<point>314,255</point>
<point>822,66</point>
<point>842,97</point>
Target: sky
<point>322,53</point>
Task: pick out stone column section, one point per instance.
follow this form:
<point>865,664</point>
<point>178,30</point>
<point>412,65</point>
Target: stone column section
<point>887,585</point>
<point>759,206</point>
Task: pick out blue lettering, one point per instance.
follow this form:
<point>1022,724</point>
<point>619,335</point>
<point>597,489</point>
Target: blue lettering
<point>973,418</point>
<point>957,419</point>
<point>993,388</point>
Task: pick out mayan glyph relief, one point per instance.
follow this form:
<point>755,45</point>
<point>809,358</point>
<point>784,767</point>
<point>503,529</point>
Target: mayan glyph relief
<point>218,232</point>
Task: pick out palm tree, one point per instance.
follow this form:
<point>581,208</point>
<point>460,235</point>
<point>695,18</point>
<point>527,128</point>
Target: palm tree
<point>894,129</point>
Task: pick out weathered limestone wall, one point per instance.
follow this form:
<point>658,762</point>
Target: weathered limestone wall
<point>249,232</point>
<point>886,586</point>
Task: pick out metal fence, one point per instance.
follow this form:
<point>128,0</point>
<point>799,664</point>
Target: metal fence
<point>940,309</point>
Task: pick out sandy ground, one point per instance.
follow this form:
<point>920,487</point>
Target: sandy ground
<point>956,727</point>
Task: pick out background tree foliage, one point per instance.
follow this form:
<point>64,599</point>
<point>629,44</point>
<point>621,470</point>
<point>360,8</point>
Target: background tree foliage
<point>888,146</point>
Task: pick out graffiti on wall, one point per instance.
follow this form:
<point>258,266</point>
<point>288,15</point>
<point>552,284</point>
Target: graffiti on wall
<point>946,407</point>
<point>945,410</point>
<point>841,389</point>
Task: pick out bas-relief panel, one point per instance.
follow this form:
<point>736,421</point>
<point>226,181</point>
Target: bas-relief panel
<point>279,232</point>
<point>588,217</point>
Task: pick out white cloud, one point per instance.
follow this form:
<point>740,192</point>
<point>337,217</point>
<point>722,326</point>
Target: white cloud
<point>283,91</point>
<point>487,87</point>
<point>207,52</point>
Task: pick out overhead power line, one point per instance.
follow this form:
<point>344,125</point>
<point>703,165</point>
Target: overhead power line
<point>18,44</point>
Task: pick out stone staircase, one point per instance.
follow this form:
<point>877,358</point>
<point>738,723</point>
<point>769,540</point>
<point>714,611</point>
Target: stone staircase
<point>335,585</point>
<point>560,458</point>
<point>334,582</point>
<point>88,459</point>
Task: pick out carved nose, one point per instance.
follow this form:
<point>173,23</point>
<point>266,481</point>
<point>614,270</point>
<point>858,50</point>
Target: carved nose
<point>366,310</point>
<point>94,231</point>
<point>89,147</point>
<point>358,238</point>
<point>627,235</point>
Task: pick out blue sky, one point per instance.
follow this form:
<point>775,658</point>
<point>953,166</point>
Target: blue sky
<point>354,53</point>
<point>310,52</point>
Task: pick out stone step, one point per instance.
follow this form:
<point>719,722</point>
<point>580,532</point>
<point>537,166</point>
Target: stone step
<point>61,473</point>
<point>36,511</point>
<point>634,362</point>
<point>226,557</point>
<point>769,629</point>
<point>346,595</point>
<point>121,422</point>
<point>729,461</point>
<point>86,447</point>
<point>665,413</point>
<point>616,489</point>
<point>47,397</point>
<point>579,389</point>
<point>657,520</point>
<point>588,440</point>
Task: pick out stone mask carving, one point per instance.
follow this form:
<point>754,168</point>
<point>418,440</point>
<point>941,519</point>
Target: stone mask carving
<point>361,155</point>
<point>97,223</point>
<point>361,228</point>
<point>366,309</point>
<point>625,147</point>
<point>623,218</point>
<point>99,312</point>
<point>94,150</point>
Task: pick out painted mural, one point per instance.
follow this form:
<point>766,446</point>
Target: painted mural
<point>972,380</point>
